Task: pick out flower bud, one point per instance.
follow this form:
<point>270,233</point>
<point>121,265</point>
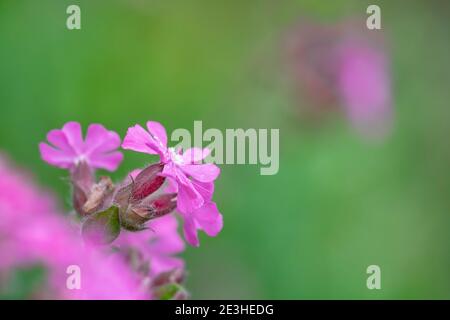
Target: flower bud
<point>123,195</point>
<point>158,207</point>
<point>147,182</point>
<point>137,215</point>
<point>132,221</point>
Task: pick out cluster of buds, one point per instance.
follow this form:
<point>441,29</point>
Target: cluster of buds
<point>106,208</point>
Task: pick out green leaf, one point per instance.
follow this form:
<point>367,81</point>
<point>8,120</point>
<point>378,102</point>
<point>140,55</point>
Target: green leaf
<point>102,227</point>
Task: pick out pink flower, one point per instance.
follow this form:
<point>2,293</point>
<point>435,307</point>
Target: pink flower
<point>343,65</point>
<point>157,244</point>
<point>194,180</point>
<point>33,232</point>
<point>68,148</point>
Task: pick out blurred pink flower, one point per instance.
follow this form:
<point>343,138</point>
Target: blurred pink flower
<point>347,65</point>
<point>156,244</point>
<point>364,86</point>
<point>193,179</point>
<point>33,232</point>
<point>68,148</point>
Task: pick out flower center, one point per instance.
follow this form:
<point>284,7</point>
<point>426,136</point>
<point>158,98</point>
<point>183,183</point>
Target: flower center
<point>175,157</point>
<point>80,158</point>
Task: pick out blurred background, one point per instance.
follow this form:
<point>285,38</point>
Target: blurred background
<point>344,198</point>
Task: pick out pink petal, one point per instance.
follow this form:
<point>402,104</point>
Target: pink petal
<point>98,139</point>
<point>107,161</point>
<point>209,219</point>
<point>58,138</point>
<point>55,157</point>
<point>194,155</point>
<point>202,172</point>
<point>188,199</point>
<point>137,139</point>
<point>190,232</point>
<point>170,171</point>
<point>206,189</point>
<point>158,131</point>
<point>72,130</point>
<point>171,186</point>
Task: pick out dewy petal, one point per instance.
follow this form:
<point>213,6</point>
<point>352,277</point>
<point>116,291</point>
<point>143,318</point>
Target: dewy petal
<point>209,219</point>
<point>107,161</point>
<point>99,139</point>
<point>137,139</point>
<point>202,172</point>
<point>55,157</point>
<point>158,131</point>
<point>194,155</point>
<point>72,130</point>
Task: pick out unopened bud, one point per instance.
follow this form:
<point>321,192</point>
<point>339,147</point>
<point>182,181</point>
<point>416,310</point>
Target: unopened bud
<point>137,215</point>
<point>147,182</point>
<point>132,221</point>
<point>123,195</point>
<point>158,207</point>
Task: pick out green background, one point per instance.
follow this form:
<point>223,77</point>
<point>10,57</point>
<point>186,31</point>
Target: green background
<point>338,203</point>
